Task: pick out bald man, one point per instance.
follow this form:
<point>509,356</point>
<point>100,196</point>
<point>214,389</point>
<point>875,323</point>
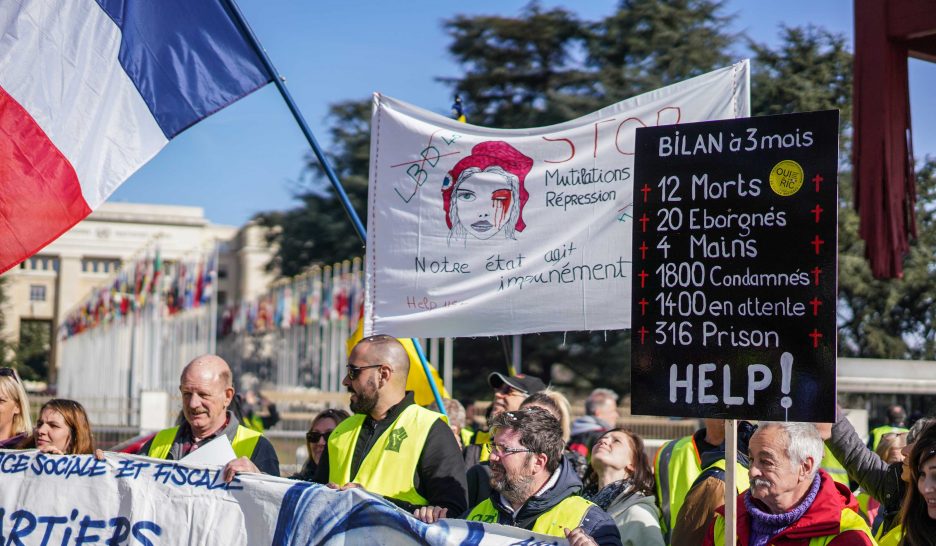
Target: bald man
<point>391,446</point>
<point>207,391</point>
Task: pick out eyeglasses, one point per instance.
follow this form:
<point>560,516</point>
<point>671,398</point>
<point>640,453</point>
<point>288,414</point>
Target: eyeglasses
<point>890,435</point>
<point>313,436</point>
<point>502,451</point>
<point>7,372</point>
<point>354,371</point>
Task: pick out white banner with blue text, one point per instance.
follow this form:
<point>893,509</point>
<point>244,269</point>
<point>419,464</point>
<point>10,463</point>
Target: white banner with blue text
<point>475,231</point>
<point>70,500</point>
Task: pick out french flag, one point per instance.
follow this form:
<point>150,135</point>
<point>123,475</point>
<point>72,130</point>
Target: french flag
<point>90,90</point>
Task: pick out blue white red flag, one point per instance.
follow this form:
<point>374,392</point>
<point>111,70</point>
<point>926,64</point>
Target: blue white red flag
<point>90,90</point>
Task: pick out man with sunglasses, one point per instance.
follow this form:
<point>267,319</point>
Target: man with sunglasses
<point>391,446</point>
<point>534,487</point>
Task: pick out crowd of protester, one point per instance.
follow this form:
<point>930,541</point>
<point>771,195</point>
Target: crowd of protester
<point>527,463</point>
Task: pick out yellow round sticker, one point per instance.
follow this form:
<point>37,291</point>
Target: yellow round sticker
<point>786,177</point>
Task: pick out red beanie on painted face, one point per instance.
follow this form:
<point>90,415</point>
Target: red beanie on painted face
<point>484,155</point>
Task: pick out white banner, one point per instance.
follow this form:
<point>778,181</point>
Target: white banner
<point>129,500</point>
<point>475,231</point>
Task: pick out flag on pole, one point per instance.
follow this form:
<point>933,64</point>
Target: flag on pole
<point>91,90</point>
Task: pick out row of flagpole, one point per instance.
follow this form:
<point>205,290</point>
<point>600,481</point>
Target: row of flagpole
<point>137,331</point>
<point>296,333</point>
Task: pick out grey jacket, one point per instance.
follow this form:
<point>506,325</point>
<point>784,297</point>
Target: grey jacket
<point>637,518</point>
<point>877,478</point>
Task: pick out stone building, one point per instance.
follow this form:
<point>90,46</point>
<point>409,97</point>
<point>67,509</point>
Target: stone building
<point>45,287</point>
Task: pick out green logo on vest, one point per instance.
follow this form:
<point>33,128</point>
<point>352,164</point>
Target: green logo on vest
<point>397,436</point>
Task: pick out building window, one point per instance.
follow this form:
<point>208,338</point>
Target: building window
<point>99,265</point>
<point>41,263</point>
<point>222,298</point>
<point>222,273</point>
<point>37,292</point>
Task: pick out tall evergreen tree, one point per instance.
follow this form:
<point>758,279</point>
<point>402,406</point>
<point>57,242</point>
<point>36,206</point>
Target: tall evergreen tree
<point>521,71</point>
<point>648,44</point>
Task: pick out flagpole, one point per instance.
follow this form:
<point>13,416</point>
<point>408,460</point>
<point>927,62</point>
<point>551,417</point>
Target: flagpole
<point>280,83</point>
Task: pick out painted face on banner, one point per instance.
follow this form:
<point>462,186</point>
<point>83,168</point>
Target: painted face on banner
<point>484,202</point>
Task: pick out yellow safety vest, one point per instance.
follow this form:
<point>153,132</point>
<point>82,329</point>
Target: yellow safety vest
<point>245,440</point>
<point>467,435</point>
<point>483,438</point>
<point>676,466</point>
<point>255,423</point>
<point>388,469</point>
<point>892,538</point>
<point>878,432</point>
<point>849,521</point>
<point>834,468</point>
<point>742,482</point>
<point>568,514</point>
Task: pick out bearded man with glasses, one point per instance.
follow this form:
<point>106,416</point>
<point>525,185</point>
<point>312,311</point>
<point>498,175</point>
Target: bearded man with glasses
<point>391,446</point>
<point>533,488</point>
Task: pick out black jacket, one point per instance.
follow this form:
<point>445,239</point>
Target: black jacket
<point>440,471</point>
<point>876,477</point>
<point>597,523</point>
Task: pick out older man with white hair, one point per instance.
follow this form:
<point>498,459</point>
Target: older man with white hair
<point>791,500</point>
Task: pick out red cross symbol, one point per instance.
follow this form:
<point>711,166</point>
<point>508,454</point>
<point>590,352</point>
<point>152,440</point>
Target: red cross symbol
<point>816,243</point>
<point>815,272</point>
<point>815,302</point>
<point>817,211</point>
<point>643,277</point>
<point>643,332</point>
<point>643,250</point>
<point>643,305</point>
<point>816,336</point>
<point>817,179</point>
<point>645,190</point>
<point>643,223</point>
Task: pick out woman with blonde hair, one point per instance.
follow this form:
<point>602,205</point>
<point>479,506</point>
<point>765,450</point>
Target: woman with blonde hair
<point>15,424</point>
<point>62,429</point>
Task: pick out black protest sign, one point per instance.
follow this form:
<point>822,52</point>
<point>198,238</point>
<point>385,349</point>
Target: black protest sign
<point>734,268</point>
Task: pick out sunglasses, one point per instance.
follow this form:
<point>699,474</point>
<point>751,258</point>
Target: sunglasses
<point>7,372</point>
<point>313,436</point>
<point>355,371</point>
<point>502,451</point>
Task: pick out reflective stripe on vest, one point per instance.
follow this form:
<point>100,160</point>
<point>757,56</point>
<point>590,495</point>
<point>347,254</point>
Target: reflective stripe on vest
<point>879,432</point>
<point>717,469</point>
<point>245,440</point>
<point>390,466</point>
<point>848,521</point>
<point>676,467</point>
<point>835,469</point>
<point>567,514</point>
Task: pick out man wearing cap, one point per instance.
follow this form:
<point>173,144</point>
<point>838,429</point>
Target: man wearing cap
<point>391,446</point>
<point>509,392</point>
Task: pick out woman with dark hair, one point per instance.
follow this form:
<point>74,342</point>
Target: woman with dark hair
<point>15,425</point>
<point>317,438</point>
<point>620,481</point>
<point>62,429</point>
<point>918,513</point>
